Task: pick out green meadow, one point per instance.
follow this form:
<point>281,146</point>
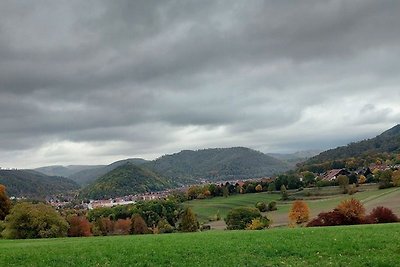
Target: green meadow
<point>362,245</point>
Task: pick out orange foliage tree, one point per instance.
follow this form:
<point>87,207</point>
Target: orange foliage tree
<point>139,225</point>
<point>299,213</point>
<point>79,226</point>
<point>352,209</point>
<point>122,227</point>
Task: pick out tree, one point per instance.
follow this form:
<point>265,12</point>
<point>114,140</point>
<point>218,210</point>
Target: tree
<point>271,187</point>
<point>122,227</point>
<point>139,226</point>
<point>299,213</point>
<point>362,179</point>
<point>5,203</point>
<point>239,218</point>
<point>343,181</point>
<point>353,211</point>
<point>309,178</point>
<point>385,178</point>
<point>79,226</point>
<point>27,220</point>
<point>189,221</point>
<point>259,188</point>
<point>284,193</point>
<point>396,178</point>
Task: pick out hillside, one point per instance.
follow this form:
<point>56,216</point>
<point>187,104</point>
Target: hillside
<point>388,141</point>
<point>31,184</point>
<point>125,180</point>
<point>216,164</point>
<point>65,171</point>
<point>85,177</point>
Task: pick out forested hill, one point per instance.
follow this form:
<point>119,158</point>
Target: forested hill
<point>125,180</point>
<point>388,141</point>
<point>31,184</point>
<point>87,176</point>
<point>216,164</point>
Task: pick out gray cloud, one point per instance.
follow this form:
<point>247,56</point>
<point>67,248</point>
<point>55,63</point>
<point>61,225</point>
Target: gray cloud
<point>95,81</point>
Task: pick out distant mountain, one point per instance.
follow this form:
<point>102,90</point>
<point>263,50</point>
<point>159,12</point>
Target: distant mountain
<point>216,164</point>
<point>32,184</point>
<point>87,176</point>
<point>125,180</point>
<point>65,171</point>
<point>388,141</point>
<point>293,158</point>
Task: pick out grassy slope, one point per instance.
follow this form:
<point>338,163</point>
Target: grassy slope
<point>371,198</point>
<point>365,245</point>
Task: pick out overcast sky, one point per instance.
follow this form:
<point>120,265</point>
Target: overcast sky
<point>91,82</point>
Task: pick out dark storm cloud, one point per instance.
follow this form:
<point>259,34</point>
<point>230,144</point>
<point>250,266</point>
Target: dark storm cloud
<point>154,77</point>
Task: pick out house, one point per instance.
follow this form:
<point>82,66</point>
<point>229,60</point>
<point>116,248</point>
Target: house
<point>331,175</point>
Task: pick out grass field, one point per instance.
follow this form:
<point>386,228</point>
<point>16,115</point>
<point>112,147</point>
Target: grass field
<point>363,245</point>
<point>370,196</point>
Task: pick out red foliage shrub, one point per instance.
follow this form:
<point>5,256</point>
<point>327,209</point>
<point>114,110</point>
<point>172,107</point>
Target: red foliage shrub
<point>382,215</point>
<point>328,219</point>
<point>79,226</point>
<point>122,227</point>
<point>105,226</point>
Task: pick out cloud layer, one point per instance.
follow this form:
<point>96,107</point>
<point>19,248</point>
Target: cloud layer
<point>96,81</point>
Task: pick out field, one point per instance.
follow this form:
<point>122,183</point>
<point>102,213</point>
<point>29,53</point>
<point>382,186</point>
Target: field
<point>370,196</point>
<point>363,245</point>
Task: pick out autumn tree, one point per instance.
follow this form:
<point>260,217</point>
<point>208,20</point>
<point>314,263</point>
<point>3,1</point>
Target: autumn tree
<point>104,226</point>
<point>189,221</point>
<point>353,211</point>
<point>259,188</point>
<point>396,178</point>
<point>79,226</point>
<point>5,203</point>
<point>122,227</point>
<point>362,179</point>
<point>139,226</point>
<point>299,213</point>
<point>27,220</point>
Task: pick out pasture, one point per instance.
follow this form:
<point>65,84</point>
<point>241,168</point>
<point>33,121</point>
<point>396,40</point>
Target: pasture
<point>327,199</point>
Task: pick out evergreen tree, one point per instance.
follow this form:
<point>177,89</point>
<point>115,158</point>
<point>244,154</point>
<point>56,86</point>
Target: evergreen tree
<point>189,221</point>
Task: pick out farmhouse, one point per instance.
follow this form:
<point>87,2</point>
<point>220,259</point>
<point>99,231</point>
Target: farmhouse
<point>333,174</point>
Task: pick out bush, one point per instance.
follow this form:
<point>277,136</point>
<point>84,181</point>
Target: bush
<point>239,218</point>
<point>382,215</point>
<point>258,224</point>
<point>272,206</point>
<point>164,227</point>
<point>262,206</point>
<point>327,219</point>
